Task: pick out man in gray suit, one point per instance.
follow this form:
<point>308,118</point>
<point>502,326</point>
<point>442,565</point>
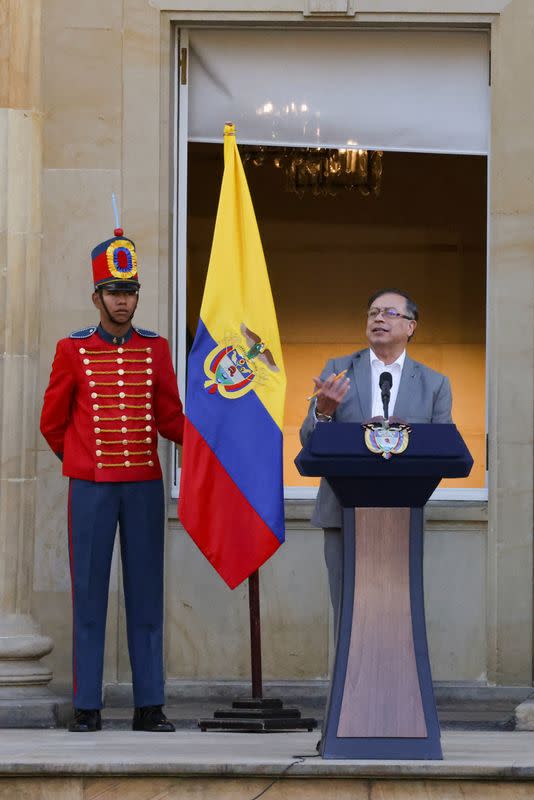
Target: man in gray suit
<point>418,394</point>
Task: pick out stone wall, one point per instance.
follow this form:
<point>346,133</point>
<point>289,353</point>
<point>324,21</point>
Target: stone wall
<point>177,788</point>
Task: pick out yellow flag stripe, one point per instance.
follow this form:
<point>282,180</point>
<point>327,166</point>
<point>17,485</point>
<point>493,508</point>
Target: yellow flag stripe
<point>237,295</point>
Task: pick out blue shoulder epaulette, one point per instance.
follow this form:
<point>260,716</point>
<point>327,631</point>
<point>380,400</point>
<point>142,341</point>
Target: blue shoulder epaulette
<point>83,333</point>
<point>148,334</point>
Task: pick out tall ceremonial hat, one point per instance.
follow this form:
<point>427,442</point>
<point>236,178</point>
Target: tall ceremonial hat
<point>115,262</point>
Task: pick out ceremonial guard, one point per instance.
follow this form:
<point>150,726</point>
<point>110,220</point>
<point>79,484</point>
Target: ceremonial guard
<point>112,389</point>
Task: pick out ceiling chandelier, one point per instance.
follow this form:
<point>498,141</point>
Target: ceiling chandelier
<point>319,171</point>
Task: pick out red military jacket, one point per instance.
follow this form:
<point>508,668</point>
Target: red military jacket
<point>106,403</point>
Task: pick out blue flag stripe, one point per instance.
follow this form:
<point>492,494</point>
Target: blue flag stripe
<point>242,434</point>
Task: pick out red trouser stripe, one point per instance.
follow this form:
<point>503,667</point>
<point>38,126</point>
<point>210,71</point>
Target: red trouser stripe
<point>71,565</point>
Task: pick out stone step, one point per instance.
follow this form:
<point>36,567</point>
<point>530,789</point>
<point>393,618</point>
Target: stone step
<point>460,707</point>
<point>185,716</point>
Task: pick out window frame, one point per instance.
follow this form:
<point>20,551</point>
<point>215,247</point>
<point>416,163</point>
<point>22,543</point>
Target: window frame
<point>180,144</point>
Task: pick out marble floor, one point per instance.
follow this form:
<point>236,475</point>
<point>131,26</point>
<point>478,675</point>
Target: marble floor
<point>487,755</point>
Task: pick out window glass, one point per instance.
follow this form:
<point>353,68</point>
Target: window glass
<point>425,233</point>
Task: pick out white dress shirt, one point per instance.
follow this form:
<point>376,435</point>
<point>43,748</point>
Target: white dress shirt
<point>377,368</point>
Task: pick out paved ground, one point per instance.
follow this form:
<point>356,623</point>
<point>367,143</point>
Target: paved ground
<point>467,754</point>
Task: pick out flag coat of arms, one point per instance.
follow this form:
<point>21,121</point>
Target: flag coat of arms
<point>231,490</point>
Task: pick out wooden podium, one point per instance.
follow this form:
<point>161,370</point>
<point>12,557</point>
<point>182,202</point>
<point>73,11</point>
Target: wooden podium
<point>381,701</point>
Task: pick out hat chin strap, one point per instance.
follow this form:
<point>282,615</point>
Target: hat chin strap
<point>110,317</point>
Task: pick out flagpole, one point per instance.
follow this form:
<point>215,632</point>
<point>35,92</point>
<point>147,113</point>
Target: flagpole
<point>237,268</point>
<point>256,713</point>
<point>255,634</point>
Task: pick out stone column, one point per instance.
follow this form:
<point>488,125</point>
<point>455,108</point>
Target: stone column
<point>24,698</point>
<point>511,350</point>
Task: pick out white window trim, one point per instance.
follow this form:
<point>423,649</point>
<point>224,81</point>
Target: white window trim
<point>310,493</point>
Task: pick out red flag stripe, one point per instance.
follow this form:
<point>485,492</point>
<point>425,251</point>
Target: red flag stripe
<point>226,528</point>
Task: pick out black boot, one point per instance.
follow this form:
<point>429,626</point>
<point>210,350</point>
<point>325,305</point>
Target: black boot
<point>86,720</point>
<point>151,718</point>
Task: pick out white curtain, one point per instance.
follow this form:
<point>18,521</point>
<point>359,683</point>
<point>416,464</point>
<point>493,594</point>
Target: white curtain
<point>421,91</point>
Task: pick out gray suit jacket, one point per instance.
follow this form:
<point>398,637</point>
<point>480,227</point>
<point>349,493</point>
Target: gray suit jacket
<point>424,396</point>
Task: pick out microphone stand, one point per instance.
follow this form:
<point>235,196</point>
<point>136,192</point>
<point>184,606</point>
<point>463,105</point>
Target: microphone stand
<point>385,403</point>
<point>385,383</point>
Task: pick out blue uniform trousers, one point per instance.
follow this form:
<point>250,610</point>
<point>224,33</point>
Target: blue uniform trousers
<point>95,510</point>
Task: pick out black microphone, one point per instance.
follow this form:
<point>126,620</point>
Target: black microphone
<point>385,382</point>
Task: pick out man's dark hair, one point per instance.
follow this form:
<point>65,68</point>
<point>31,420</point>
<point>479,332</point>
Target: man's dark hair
<point>411,305</point>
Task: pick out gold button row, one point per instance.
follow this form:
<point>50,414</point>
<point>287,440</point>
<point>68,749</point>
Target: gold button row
<point>148,440</point>
<point>126,464</point>
<point>125,453</point>
<point>147,360</point>
<point>125,430</point>
<point>122,395</point>
<point>148,371</point>
<point>120,406</point>
<point>83,351</point>
<point>124,418</point>
<point>119,383</point>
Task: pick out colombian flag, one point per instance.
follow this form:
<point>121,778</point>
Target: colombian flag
<point>231,492</point>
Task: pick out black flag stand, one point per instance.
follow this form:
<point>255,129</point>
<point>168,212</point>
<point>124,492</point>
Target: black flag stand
<point>256,714</point>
